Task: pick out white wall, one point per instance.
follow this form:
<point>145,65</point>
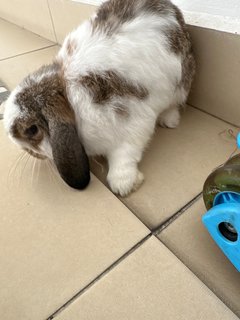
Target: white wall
<point>227,8</point>
<point>222,15</point>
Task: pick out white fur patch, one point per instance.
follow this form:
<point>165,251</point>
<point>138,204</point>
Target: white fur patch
<point>2,89</point>
<point>11,110</point>
<point>170,118</point>
<point>20,143</point>
<point>45,148</point>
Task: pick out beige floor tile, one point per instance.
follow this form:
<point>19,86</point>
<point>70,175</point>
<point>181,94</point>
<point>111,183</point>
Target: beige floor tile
<point>190,241</point>
<point>76,14</point>
<point>176,166</point>
<point>29,14</point>
<point>12,71</point>
<point>15,40</point>
<point>150,284</point>
<point>53,240</point>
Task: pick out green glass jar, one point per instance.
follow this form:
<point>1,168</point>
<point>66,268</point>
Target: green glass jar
<point>225,178</point>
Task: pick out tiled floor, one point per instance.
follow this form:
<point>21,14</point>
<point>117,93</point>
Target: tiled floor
<point>19,41</point>
<point>86,255</point>
<point>189,240</point>
<point>176,165</point>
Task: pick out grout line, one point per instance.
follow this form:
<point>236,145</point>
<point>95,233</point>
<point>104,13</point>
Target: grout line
<point>154,232</point>
<point>100,276</point>
<point>53,26</point>
<point>134,212</point>
<point>27,30</point>
<point>165,224</point>
<point>198,275</point>
<point>28,52</point>
<point>214,116</point>
<point>124,204</point>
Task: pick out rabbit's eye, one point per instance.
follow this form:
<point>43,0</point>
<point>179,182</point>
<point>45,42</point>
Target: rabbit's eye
<point>31,131</point>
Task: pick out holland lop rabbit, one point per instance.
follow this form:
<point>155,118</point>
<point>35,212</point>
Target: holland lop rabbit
<point>117,75</point>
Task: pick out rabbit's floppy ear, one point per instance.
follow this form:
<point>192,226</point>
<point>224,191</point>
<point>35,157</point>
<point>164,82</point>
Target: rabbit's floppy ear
<point>69,155</point>
<point>68,152</point>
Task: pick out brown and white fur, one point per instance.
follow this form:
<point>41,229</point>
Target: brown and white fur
<point>120,72</point>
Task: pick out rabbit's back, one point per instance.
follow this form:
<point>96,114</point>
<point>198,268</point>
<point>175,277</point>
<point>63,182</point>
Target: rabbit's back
<point>145,47</point>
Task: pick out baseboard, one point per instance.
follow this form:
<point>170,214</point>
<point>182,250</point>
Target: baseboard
<point>91,2</point>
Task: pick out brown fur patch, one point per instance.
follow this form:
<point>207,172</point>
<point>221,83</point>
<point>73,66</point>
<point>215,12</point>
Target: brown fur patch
<point>71,47</point>
<point>157,6</point>
<point>47,95</point>
<point>178,36</point>
<point>177,40</point>
<point>180,43</point>
<point>41,101</point>
<point>188,72</point>
<point>105,86</point>
<point>114,13</point>
<point>19,131</point>
<point>121,110</point>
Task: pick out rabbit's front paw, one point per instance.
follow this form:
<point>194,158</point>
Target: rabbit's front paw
<point>124,180</point>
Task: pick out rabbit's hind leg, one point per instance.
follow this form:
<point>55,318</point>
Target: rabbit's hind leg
<point>170,118</point>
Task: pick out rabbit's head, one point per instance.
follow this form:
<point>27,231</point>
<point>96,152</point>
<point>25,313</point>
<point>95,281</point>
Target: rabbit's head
<point>38,117</point>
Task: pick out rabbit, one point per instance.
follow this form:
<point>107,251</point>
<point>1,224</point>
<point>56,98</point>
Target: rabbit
<point>126,69</point>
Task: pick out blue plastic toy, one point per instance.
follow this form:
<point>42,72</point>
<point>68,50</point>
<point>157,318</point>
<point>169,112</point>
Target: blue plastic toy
<point>221,194</point>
